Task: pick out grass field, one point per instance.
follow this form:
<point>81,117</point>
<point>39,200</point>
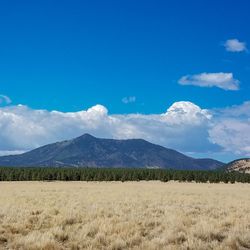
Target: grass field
<point>132,215</point>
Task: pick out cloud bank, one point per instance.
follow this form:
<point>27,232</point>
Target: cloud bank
<point>184,126</point>
<point>221,80</point>
<point>234,45</point>
<point>231,130</point>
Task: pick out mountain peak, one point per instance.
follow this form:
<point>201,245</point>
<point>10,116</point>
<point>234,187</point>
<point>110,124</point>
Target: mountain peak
<point>86,136</point>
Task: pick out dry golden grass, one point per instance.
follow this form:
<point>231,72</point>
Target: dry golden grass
<point>134,215</point>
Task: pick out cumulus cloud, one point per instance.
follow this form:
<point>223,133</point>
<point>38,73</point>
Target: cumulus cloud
<point>184,126</point>
<point>231,129</point>
<point>23,128</point>
<point>236,111</point>
<point>186,112</point>
<point>221,80</point>
<point>4,100</point>
<point>232,135</point>
<point>234,45</point>
<point>128,99</point>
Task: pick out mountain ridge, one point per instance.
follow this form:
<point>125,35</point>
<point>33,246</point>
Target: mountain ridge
<point>89,151</point>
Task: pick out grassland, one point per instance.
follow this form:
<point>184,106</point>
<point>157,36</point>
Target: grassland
<point>131,215</point>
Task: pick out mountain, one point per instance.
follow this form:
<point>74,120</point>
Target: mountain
<point>241,165</point>
<point>89,151</point>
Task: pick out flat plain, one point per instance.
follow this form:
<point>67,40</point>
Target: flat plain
<point>130,215</point>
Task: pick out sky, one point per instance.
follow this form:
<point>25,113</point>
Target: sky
<point>174,72</point>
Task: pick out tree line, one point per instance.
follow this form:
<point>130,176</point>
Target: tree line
<point>119,174</point>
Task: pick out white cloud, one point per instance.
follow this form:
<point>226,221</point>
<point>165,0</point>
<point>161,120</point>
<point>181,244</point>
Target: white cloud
<point>232,135</point>
<point>184,126</point>
<point>231,129</point>
<point>234,45</point>
<point>186,112</point>
<point>128,99</point>
<point>236,111</point>
<point>221,80</point>
<point>4,100</point>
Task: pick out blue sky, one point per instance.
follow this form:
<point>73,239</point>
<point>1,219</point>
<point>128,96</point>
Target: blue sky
<point>126,55</point>
<point>70,55</point>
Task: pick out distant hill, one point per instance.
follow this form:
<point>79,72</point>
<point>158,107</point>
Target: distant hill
<point>89,151</point>
<point>241,165</point>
